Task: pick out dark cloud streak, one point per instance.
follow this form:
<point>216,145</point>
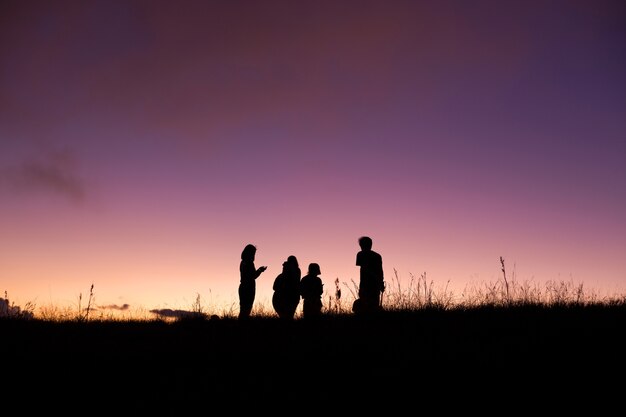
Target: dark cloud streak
<point>176,314</point>
<point>55,172</point>
<point>123,307</point>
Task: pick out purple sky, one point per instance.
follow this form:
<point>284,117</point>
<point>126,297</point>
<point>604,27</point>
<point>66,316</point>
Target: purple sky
<point>143,144</point>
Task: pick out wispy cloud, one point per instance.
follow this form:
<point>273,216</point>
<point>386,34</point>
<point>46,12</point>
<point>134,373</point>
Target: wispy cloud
<point>122,307</point>
<point>177,314</point>
<point>54,172</point>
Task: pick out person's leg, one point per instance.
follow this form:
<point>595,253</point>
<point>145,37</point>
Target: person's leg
<point>246,300</point>
<point>369,299</point>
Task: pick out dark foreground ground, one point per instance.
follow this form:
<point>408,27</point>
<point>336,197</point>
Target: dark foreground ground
<point>495,361</point>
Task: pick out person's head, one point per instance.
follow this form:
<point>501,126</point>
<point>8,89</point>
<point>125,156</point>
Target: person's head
<point>248,252</point>
<point>292,260</point>
<point>365,242</point>
<point>314,269</point>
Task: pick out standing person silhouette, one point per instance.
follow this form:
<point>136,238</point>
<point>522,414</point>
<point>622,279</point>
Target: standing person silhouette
<point>287,289</point>
<point>311,289</point>
<point>372,280</point>
<point>247,284</point>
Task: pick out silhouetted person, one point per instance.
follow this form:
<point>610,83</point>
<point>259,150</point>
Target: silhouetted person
<point>311,289</point>
<point>287,289</point>
<point>372,280</point>
<point>247,284</point>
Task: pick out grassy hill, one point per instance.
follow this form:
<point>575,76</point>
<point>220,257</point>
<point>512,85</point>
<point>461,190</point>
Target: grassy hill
<point>480,358</point>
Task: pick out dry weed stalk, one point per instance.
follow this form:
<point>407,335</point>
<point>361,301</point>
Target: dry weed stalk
<point>81,316</point>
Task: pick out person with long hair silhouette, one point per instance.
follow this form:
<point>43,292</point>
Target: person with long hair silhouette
<point>371,278</point>
<point>287,289</point>
<point>311,290</point>
<point>247,285</point>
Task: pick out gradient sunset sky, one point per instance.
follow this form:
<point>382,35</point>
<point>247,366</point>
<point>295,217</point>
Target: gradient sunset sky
<point>143,144</point>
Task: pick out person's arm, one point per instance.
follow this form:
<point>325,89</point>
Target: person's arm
<point>259,271</point>
<point>382,274</point>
